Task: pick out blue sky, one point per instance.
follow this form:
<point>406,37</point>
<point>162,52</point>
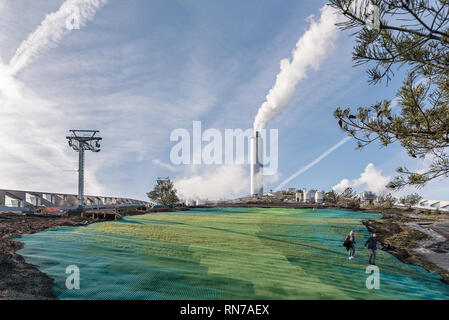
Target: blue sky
<point>140,69</point>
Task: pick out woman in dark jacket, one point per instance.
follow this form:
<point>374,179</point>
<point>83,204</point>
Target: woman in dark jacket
<point>350,244</point>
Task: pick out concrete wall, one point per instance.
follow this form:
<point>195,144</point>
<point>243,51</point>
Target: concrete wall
<point>442,205</point>
<point>46,199</point>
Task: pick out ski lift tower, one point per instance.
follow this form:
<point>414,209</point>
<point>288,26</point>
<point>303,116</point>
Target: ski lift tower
<point>81,140</point>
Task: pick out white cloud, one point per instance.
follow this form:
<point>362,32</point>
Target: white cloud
<point>9,87</point>
<point>371,178</point>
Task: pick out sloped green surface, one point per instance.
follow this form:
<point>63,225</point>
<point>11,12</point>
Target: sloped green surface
<point>228,253</point>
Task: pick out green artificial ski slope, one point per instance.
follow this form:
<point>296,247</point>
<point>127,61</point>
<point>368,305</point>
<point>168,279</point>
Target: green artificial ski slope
<point>226,253</point>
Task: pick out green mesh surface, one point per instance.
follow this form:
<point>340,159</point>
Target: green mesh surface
<point>229,253</point>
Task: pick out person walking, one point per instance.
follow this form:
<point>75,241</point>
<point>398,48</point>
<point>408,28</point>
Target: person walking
<point>372,247</point>
<point>350,244</point>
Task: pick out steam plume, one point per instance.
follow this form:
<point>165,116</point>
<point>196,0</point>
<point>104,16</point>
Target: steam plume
<point>52,29</point>
<point>213,184</point>
<point>311,49</point>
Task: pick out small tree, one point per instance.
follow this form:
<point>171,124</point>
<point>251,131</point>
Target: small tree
<point>411,200</point>
<point>349,199</point>
<point>164,193</point>
<point>386,201</point>
<point>331,197</point>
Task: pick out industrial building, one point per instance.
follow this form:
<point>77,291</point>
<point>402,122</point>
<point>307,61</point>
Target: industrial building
<point>309,196</point>
<point>368,197</point>
<point>23,199</point>
<point>194,202</point>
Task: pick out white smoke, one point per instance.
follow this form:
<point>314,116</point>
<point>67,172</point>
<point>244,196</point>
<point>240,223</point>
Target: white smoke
<point>71,15</point>
<point>311,49</point>
<point>214,183</point>
<point>371,178</point>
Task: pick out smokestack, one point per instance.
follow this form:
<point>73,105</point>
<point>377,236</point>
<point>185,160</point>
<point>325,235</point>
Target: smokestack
<point>256,165</point>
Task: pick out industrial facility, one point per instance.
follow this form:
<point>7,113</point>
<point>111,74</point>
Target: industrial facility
<point>297,195</point>
<point>309,196</point>
<point>256,178</point>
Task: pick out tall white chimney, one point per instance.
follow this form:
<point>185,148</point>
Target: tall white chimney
<point>256,165</point>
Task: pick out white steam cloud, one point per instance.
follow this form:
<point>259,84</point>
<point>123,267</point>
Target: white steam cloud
<point>71,15</point>
<point>311,49</point>
<point>215,183</point>
<point>371,178</point>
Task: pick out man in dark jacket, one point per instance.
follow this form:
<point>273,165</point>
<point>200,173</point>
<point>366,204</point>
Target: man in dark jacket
<point>372,247</point>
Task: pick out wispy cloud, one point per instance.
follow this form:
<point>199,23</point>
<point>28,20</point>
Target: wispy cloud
<point>166,165</point>
<point>52,30</point>
<point>84,89</point>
